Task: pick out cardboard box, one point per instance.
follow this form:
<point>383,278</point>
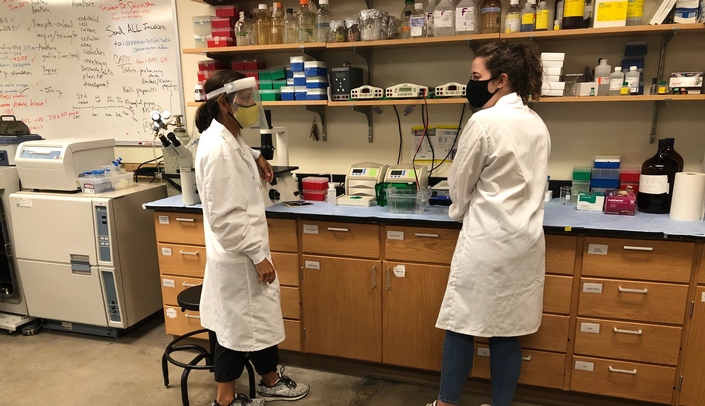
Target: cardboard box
<point>622,202</point>
<point>590,201</point>
<point>584,89</point>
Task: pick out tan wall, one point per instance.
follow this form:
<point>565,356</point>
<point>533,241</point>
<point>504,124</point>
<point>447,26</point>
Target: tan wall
<point>578,131</point>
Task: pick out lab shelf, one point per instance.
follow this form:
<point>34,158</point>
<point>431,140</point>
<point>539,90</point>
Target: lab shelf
<point>256,49</point>
<point>694,28</point>
<point>395,102</point>
<point>620,99</point>
<point>278,103</point>
<point>407,43</point>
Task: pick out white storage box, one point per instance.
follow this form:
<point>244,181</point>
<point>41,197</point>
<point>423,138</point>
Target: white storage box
<point>584,89</point>
<point>553,56</point>
<point>99,184</point>
<point>552,64</point>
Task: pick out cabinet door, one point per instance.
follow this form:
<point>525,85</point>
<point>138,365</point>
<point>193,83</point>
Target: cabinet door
<point>411,305</point>
<point>343,307</point>
<point>693,391</point>
<point>560,254</point>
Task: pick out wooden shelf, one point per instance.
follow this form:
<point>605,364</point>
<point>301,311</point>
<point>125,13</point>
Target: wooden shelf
<point>279,103</point>
<point>607,32</point>
<point>416,42</point>
<point>256,49</point>
<point>623,99</point>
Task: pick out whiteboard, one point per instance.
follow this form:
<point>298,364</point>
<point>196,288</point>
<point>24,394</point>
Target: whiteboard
<point>89,68</point>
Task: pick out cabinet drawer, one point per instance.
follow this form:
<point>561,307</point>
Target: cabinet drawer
<point>628,380</point>
<point>633,300</point>
<point>179,228</point>
<point>638,259</point>
<point>282,235</point>
<point>290,302</point>
<point>430,245</point>
<point>701,277</point>
<point>287,266</point>
<point>557,292</point>
<point>560,254</point>
<point>628,341</point>
<point>341,239</point>
<point>173,285</point>
<point>552,335</point>
<point>182,260</point>
<point>292,331</point>
<point>539,368</point>
<point>179,323</point>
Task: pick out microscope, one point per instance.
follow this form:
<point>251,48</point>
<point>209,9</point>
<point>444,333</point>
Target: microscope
<point>284,186</point>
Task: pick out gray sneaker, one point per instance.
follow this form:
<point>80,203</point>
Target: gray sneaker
<point>242,400</point>
<point>284,389</point>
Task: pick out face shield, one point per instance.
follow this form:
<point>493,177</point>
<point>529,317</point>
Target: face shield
<point>246,102</point>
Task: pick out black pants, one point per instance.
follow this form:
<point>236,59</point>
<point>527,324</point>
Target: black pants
<point>229,364</point>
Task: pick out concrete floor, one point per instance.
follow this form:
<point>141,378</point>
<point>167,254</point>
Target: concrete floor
<point>57,368</point>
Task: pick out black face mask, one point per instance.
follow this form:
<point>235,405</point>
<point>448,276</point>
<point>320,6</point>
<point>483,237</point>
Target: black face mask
<point>477,93</point>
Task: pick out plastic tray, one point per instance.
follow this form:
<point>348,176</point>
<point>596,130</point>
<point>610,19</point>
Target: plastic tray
<point>315,183</point>
<point>96,185</point>
<point>407,200</point>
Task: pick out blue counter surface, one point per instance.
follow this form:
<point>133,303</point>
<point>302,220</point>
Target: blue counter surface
<point>557,217</point>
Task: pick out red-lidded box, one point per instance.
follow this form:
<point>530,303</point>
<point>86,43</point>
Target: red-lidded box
<point>223,32</point>
<point>315,195</point>
<point>220,42</point>
<point>254,64</point>
<point>210,64</point>
<point>226,11</point>
<point>315,183</point>
<point>237,66</point>
<point>222,22</point>
<point>203,75</point>
<point>253,74</point>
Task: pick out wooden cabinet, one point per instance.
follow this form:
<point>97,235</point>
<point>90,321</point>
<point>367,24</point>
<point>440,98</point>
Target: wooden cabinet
<point>340,239</point>
<point>560,254</point>
<point>420,244</point>
<point>701,275</point>
<point>284,247</point>
<point>179,228</point>
<point>693,371</point>
<point>539,368</point>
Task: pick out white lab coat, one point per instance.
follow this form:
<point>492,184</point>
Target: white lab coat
<point>244,313</point>
<point>497,185</point>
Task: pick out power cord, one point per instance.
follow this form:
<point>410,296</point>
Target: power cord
<point>400,137</point>
<point>423,135</point>
<point>455,141</point>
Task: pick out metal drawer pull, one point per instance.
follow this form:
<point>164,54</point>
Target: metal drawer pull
<point>426,235</point>
<point>634,248</point>
<point>188,285</point>
<point>389,283</point>
<point>345,230</point>
<point>623,371</point>
<point>194,253</point>
<point>188,316</point>
<point>625,290</point>
<point>527,358</point>
<point>183,220</point>
<point>374,276</point>
<point>636,333</point>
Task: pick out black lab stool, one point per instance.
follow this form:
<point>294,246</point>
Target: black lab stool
<point>190,299</point>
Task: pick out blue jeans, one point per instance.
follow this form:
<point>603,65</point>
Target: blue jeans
<point>505,366</point>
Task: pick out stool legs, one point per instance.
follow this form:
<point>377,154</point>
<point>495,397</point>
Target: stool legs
<point>184,378</point>
<point>165,370</point>
<point>251,377</point>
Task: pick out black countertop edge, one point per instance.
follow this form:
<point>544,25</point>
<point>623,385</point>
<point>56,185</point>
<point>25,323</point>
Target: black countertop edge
<point>641,235</point>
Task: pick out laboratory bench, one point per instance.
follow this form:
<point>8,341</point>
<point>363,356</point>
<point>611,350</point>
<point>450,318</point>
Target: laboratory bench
<point>624,300</point>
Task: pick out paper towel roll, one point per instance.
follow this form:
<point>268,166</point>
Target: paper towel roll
<point>688,203</point>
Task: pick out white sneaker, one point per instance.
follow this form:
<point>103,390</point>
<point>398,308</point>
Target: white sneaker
<point>242,400</point>
<point>431,404</point>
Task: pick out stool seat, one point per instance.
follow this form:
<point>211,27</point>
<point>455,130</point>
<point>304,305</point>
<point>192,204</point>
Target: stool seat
<point>190,299</point>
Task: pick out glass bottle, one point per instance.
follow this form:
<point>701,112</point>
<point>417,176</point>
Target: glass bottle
<point>277,36</point>
<point>444,19</point>
<point>491,13</point>
<point>242,31</point>
<point>408,6</point>
<point>291,27</point>
<point>250,21</point>
<point>305,19</point>
<point>573,11</point>
<point>512,19</point>
<point>658,175</point>
<point>417,22</point>
<point>263,24</point>
<point>466,17</point>
<point>670,143</point>
<point>406,26</point>
<point>323,18</point>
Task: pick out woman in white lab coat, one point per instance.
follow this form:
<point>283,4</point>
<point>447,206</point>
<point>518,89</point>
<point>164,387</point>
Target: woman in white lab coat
<point>497,185</point>
<point>240,299</point>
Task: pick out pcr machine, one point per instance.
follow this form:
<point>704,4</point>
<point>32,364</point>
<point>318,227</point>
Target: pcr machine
<point>360,184</point>
<point>407,173</point>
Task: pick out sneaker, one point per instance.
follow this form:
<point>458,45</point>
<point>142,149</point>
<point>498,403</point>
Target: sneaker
<point>284,389</point>
<point>242,400</point>
<point>431,404</point>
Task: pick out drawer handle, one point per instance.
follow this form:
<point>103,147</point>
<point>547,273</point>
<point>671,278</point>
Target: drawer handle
<point>623,371</point>
<point>635,248</point>
<point>189,316</point>
<point>188,285</point>
<point>632,332</point>
<point>625,290</point>
<point>192,253</point>
<point>344,230</point>
<point>389,282</point>
<point>527,358</point>
<point>423,235</point>
<point>374,276</point>
<point>183,220</point>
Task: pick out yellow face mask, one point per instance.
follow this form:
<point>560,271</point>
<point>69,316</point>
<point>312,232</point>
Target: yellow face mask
<point>247,116</point>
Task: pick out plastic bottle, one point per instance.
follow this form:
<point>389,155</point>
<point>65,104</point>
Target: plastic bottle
<point>528,18</point>
<point>323,18</point>
<point>603,77</point>
<point>542,17</point>
<point>405,26</point>
<point>662,87</point>
<point>670,143</point>
<point>624,90</point>
<point>559,15</point>
<point>512,19</point>
<point>417,22</point>
<point>263,24</point>
<point>635,11</point>
<point>616,80</point>
<point>491,14</point>
<point>429,10</point>
<point>277,36</point>
<point>332,195</point>
<point>632,77</point>
<point>658,175</point>
<point>305,19</point>
<point>291,27</point>
<point>466,18</point>
<point>444,19</point>
<point>199,95</point>
<point>573,11</point>
<point>242,31</point>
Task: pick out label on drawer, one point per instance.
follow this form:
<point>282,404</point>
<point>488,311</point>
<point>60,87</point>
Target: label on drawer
<point>168,283</point>
<point>315,265</point>
<point>597,249</point>
<point>585,366</point>
<point>702,298</point>
<point>590,328</point>
<point>395,235</point>
<point>171,312</point>
<point>310,229</point>
<point>400,271</point>
<point>483,352</point>
<point>592,287</point>
<point>166,252</point>
<point>163,219</point>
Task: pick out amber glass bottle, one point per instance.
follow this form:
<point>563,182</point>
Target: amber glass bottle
<point>670,142</point>
<point>658,174</point>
